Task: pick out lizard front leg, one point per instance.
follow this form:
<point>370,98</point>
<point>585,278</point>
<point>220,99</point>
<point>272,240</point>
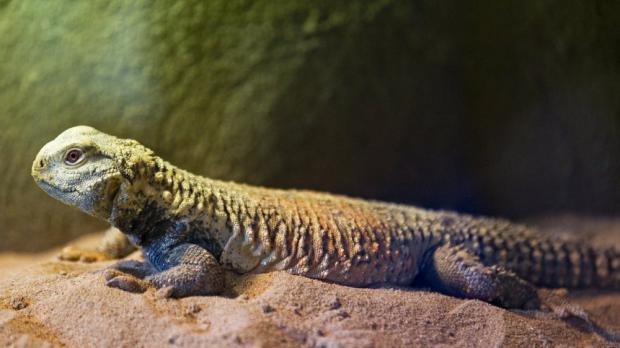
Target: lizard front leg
<point>453,270</point>
<point>185,270</point>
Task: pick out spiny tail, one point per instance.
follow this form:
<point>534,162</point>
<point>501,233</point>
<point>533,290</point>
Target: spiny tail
<point>551,263</point>
<point>576,265</point>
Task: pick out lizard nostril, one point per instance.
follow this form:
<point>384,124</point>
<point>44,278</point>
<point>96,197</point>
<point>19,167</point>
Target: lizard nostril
<point>41,164</point>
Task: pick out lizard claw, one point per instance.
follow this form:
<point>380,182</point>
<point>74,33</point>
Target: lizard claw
<point>165,292</point>
<point>125,282</point>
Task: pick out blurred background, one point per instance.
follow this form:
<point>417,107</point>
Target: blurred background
<point>499,108</point>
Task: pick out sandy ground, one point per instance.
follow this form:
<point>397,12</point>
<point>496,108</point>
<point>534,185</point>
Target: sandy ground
<point>44,302</point>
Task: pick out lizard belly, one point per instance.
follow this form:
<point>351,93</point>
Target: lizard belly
<point>239,255</point>
<point>396,266</point>
<point>350,243</point>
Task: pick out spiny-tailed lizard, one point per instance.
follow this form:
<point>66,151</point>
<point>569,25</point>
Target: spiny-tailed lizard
<point>191,228</point>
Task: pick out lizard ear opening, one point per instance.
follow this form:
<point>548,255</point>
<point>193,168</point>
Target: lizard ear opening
<point>112,189</point>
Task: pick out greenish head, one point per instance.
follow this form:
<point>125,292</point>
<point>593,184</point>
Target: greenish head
<point>81,168</point>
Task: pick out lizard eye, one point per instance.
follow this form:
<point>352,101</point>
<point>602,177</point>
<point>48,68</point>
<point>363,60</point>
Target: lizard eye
<point>74,156</point>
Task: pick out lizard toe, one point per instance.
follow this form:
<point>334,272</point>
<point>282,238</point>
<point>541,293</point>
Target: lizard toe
<point>165,292</point>
<point>135,268</point>
<point>128,283</point>
<point>110,274</point>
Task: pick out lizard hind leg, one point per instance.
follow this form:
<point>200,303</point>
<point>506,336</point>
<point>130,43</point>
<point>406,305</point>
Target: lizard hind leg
<point>455,271</point>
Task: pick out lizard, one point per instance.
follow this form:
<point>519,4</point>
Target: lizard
<point>192,228</point>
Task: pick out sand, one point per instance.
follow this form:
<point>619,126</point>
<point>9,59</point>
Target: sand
<point>45,302</point>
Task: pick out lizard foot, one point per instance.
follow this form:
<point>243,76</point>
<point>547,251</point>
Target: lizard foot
<point>128,275</point>
<point>558,307</point>
<point>187,280</point>
<point>73,253</point>
<point>193,271</point>
<point>113,245</point>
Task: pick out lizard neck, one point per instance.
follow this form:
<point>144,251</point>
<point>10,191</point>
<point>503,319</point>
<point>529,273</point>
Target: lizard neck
<point>161,199</point>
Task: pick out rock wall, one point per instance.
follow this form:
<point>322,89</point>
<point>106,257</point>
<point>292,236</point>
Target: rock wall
<point>507,108</point>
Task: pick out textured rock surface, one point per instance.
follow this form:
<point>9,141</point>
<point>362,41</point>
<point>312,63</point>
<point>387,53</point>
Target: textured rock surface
<point>68,304</point>
<point>506,108</point>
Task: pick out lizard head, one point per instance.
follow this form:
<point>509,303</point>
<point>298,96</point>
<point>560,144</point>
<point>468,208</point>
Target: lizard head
<point>81,168</point>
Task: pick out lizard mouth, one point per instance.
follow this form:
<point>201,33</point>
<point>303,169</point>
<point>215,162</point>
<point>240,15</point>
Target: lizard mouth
<point>52,189</point>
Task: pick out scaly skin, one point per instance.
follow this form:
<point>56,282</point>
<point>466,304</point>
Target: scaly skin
<point>191,227</point>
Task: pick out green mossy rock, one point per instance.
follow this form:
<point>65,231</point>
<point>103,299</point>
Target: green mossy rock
<point>508,108</point>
